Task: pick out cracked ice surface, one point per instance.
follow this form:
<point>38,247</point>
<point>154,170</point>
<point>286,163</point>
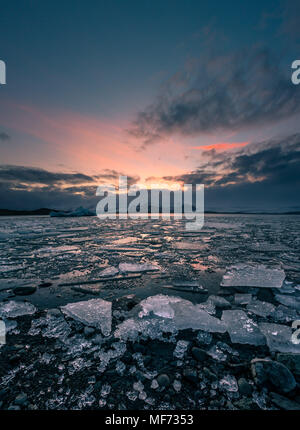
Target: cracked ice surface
<point>245,275</point>
<point>241,328</point>
<point>14,309</point>
<point>279,338</point>
<point>94,313</point>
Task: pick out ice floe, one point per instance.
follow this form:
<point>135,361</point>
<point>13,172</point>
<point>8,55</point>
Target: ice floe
<point>245,275</point>
<point>95,313</point>
<point>13,309</point>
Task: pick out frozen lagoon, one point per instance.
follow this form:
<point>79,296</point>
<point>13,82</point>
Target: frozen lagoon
<point>134,268</point>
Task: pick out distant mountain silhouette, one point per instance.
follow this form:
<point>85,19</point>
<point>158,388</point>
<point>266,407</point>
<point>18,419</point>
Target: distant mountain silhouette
<point>46,211</point>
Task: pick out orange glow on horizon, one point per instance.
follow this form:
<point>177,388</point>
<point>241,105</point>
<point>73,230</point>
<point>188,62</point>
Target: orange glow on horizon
<point>221,146</point>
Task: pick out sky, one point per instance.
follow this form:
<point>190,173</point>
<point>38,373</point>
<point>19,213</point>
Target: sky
<point>165,92</point>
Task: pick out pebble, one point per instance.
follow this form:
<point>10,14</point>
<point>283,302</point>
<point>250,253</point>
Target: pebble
<point>163,380</point>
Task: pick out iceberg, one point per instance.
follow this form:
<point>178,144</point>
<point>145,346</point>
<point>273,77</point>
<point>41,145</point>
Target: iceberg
<point>94,313</point>
<point>76,213</point>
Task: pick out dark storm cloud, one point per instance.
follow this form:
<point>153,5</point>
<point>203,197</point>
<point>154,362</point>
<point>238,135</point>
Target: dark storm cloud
<point>31,188</point>
<point>34,175</point>
<point>227,92</point>
<point>261,176</point>
<point>113,176</point>
<point>273,161</point>
<point>4,136</point>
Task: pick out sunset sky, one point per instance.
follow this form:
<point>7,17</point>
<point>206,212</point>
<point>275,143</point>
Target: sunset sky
<point>162,91</point>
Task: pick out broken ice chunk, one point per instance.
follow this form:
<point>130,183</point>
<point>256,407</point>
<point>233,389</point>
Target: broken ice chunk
<point>282,314</point>
<point>94,313</point>
<point>135,268</point>
<point>153,328</point>
<point>180,349</point>
<point>242,329</point>
<point>184,314</point>
<point>109,271</point>
<point>289,301</point>
<point>245,275</point>
<point>188,286</point>
<point>166,314</point>
<point>216,353</point>
<point>50,326</point>
<point>14,309</point>
<point>279,338</point>
<point>262,309</point>
<point>192,316</point>
<point>204,338</point>
<point>219,302</point>
<point>159,305</point>
<point>242,299</point>
<point>229,383</point>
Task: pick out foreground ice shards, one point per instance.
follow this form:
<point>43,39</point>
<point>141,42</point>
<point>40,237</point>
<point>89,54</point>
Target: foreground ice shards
<point>245,275</point>
<point>153,328</point>
<point>14,309</point>
<point>279,338</point>
<point>94,313</point>
<point>135,268</point>
<point>241,328</point>
<point>167,314</point>
<point>50,326</point>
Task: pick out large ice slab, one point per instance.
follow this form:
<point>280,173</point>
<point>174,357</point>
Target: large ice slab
<point>246,275</point>
<point>184,313</point>
<point>13,309</point>
<point>279,338</point>
<point>241,328</point>
<point>176,314</point>
<point>94,313</point>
